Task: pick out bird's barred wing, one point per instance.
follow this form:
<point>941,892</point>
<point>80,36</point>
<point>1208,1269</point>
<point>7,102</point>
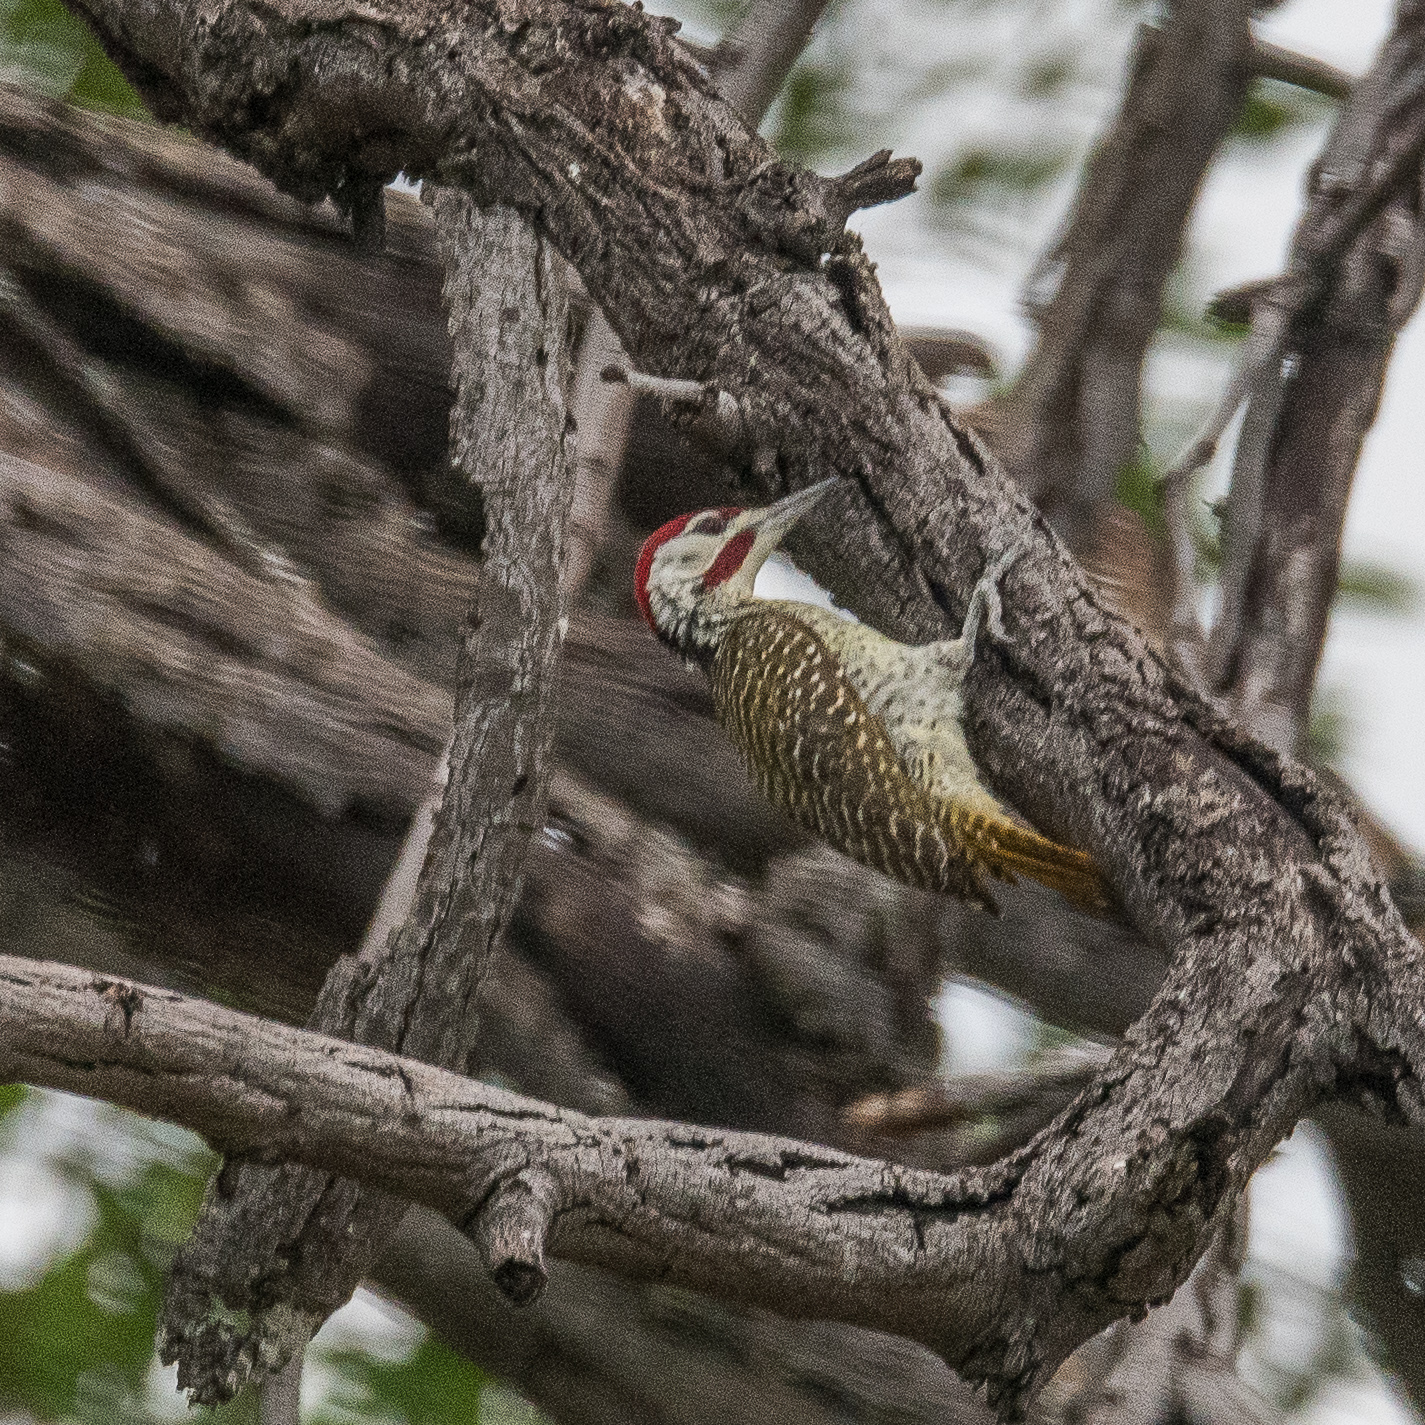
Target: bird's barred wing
<point>819,754</point>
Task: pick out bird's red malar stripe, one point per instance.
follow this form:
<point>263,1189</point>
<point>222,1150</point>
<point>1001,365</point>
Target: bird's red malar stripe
<point>729,559</point>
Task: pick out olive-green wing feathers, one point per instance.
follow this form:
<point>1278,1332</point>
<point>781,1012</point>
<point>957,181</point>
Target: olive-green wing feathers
<point>819,754</point>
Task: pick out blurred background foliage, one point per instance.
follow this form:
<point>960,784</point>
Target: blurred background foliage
<point>1002,100</point>
<point>46,48</point>
<point>96,1202</point>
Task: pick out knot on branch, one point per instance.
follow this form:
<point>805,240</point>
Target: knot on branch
<point>804,214</point>
<point>512,1231</point>
<point>878,179</point>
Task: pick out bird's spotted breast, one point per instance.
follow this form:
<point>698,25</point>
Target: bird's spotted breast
<point>819,754</point>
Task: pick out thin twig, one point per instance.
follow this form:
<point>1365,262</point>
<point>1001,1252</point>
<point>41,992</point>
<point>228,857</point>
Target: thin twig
<point>279,1397</point>
<point>1302,70</point>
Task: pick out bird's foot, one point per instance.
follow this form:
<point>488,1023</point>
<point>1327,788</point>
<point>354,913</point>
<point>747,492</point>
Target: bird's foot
<point>985,606</point>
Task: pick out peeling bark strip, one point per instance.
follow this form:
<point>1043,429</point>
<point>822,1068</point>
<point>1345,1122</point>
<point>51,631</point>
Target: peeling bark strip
<point>277,1249</point>
<point>1292,973</point>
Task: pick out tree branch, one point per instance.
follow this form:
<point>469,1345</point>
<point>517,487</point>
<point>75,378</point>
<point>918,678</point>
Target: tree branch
<point>1308,414</point>
<point>1376,148</point>
<point>1303,70</point>
<point>803,1229</point>
<point>277,1249</point>
<point>1071,425</point>
<point>749,66</point>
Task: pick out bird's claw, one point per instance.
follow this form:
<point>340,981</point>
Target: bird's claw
<point>985,606</point>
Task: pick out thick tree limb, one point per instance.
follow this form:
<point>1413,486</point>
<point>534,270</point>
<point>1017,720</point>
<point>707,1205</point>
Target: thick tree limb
<point>707,923</point>
<point>1302,432</point>
<point>707,259</point>
<point>653,1200</point>
<point>92,579</point>
<point>811,991</point>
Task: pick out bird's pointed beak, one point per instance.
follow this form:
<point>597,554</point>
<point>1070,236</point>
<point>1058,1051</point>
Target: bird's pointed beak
<point>775,521</point>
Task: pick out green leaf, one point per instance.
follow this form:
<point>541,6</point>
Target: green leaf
<point>1271,108</point>
<point>811,115</point>
<point>58,54</point>
<point>432,1386</point>
<point>982,171</point>
<point>78,1344</point>
<point>1138,488</point>
<point>1377,587</point>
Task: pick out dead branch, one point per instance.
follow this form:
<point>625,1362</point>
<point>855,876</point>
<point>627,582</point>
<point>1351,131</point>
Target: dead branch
<point>276,1249</point>
<point>1303,70</point>
<point>1071,424</point>
<point>1308,414</point>
<point>830,1235</point>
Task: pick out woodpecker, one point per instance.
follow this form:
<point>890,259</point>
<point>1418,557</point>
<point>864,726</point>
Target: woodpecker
<point>855,736</point>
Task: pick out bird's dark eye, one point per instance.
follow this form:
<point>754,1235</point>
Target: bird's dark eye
<point>714,521</point>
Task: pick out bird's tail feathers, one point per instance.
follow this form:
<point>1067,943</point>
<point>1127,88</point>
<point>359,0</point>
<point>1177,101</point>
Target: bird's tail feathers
<point>1008,850</point>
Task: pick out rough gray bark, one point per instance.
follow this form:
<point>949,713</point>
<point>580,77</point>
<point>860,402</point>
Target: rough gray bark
<point>749,66</point>
<point>92,579</point>
<point>1305,421</point>
<point>833,1235</point>
<point>276,1250</point>
<point>1372,161</point>
<point>595,1350</point>
<point>808,983</point>
<point>727,978</point>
